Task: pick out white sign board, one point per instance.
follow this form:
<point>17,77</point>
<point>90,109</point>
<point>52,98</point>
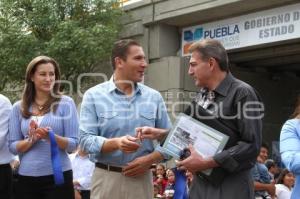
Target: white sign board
<point>267,26</point>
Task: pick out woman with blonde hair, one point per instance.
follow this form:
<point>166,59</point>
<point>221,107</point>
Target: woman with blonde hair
<point>43,127</point>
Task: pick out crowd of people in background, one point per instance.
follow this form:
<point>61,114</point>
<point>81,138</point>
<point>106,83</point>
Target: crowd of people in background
<point>279,185</point>
<point>270,181</point>
<point>55,154</point>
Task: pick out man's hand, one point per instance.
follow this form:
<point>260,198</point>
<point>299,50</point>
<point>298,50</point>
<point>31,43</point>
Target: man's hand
<point>142,164</point>
<point>15,164</point>
<point>77,194</point>
<point>152,133</point>
<point>76,183</point>
<point>138,166</point>
<point>128,144</point>
<point>271,189</point>
<point>195,162</point>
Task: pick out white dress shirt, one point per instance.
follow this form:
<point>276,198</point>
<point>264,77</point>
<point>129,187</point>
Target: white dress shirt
<point>283,192</point>
<point>5,108</point>
<point>82,170</point>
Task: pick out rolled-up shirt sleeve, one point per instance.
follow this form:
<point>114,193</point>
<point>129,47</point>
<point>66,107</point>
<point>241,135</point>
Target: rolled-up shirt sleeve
<point>243,154</point>
<point>71,125</point>
<point>89,138</point>
<point>14,128</point>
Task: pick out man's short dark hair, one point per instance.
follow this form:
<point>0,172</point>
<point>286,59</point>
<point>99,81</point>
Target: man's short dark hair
<point>211,48</point>
<point>264,145</point>
<point>120,49</point>
<point>270,163</point>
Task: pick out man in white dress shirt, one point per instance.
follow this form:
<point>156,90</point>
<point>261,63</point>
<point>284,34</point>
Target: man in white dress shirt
<point>82,173</point>
<point>5,156</point>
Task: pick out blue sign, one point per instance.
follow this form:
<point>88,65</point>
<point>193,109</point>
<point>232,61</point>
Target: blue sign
<point>192,36</point>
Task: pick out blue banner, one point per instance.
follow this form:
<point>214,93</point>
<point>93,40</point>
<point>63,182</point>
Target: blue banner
<point>180,185</point>
<point>56,164</point>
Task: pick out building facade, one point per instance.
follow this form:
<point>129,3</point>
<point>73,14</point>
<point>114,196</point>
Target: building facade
<point>262,38</point>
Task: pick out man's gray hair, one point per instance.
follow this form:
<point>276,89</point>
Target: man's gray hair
<point>208,48</point>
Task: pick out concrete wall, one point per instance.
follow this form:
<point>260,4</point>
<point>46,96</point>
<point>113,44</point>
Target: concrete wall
<point>157,25</point>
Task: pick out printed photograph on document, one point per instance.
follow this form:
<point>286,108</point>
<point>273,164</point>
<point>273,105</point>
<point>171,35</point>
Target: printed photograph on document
<point>186,130</point>
<point>182,138</point>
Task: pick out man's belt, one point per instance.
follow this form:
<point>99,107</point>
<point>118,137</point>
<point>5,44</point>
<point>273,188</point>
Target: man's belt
<point>5,165</point>
<point>108,167</point>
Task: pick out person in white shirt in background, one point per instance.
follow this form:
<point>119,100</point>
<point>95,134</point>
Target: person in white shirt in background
<point>285,183</point>
<point>5,156</point>
<point>82,173</point>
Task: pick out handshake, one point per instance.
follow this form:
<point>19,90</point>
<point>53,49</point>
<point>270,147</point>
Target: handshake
<point>37,133</point>
<point>130,144</point>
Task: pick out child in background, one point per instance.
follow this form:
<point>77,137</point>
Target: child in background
<point>157,190</point>
<point>160,179</point>
<point>170,188</point>
<point>285,183</point>
<point>82,173</point>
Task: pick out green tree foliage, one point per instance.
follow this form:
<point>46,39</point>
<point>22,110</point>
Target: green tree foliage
<point>77,33</point>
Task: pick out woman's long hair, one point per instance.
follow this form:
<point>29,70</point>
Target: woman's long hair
<point>282,174</point>
<point>29,91</point>
<point>296,112</point>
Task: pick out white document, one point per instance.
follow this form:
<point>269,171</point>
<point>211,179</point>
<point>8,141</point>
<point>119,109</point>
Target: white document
<point>186,130</point>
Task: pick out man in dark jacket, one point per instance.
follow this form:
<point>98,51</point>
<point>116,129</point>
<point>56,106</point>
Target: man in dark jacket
<point>235,104</point>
